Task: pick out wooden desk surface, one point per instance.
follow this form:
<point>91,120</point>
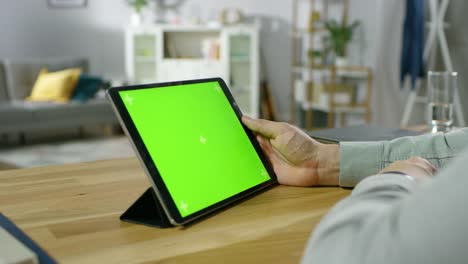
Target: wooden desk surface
<point>73,211</point>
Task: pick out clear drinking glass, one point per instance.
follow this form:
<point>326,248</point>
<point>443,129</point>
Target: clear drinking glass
<point>440,92</point>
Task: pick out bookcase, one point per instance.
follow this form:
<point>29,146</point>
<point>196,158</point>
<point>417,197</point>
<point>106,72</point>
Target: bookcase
<point>320,84</point>
<point>160,53</point>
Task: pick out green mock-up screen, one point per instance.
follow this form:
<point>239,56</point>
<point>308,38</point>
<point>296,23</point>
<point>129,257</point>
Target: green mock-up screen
<point>197,143</point>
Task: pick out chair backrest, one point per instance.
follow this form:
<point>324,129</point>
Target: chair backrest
<point>21,74</point>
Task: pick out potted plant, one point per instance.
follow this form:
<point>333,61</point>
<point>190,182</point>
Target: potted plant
<point>315,56</point>
<point>137,5</point>
<point>340,35</point>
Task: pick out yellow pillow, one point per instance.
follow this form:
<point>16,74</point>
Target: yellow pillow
<point>55,86</point>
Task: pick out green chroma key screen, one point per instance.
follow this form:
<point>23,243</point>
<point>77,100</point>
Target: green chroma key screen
<point>197,143</point>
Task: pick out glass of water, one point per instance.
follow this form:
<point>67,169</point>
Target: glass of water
<point>440,92</point>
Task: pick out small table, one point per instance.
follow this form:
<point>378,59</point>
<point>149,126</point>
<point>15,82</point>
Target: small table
<point>73,211</point>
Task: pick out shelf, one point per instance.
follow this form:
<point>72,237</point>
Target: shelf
<point>311,67</point>
<point>337,108</point>
<point>145,59</point>
<point>190,60</point>
<point>162,53</point>
<point>308,32</point>
<point>310,80</point>
<point>354,68</point>
<point>239,59</point>
<point>348,71</point>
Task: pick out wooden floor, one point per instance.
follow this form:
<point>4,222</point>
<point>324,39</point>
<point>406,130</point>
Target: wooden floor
<point>70,151</point>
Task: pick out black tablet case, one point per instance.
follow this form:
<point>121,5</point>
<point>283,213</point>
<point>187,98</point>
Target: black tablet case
<point>147,210</point>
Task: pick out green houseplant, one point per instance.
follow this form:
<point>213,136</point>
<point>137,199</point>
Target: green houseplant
<point>340,35</point>
<point>137,4</point>
<point>136,16</point>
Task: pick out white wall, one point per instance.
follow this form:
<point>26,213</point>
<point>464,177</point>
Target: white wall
<point>28,28</point>
<point>457,38</point>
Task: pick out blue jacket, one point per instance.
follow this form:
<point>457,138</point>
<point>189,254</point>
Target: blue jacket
<point>413,41</point>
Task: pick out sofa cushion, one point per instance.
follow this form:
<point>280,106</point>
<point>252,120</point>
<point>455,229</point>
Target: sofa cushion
<point>27,116</point>
<point>87,87</point>
<point>14,118</point>
<point>74,111</point>
<point>21,74</point>
<point>55,86</point>
<point>12,113</point>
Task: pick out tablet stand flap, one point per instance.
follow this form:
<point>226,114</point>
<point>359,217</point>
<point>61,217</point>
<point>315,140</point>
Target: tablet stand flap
<point>147,210</point>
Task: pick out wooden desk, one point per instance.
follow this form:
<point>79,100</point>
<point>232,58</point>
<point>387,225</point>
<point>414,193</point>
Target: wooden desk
<point>72,211</point>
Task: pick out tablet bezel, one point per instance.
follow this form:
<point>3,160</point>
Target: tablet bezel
<point>151,168</point>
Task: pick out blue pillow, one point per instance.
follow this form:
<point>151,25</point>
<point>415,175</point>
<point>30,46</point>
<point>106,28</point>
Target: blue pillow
<point>86,87</point>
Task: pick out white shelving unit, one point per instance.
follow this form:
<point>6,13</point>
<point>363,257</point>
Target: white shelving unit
<point>317,83</point>
<point>160,53</point>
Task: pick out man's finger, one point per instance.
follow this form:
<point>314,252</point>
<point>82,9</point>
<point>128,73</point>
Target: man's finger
<point>429,166</point>
<point>432,167</point>
<point>424,162</point>
<point>266,128</point>
<point>424,168</point>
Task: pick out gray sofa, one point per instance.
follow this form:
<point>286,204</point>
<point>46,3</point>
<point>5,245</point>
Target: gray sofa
<point>19,116</point>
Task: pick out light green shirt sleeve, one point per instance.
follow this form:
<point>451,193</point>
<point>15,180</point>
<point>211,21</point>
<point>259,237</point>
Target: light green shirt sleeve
<point>361,159</point>
<point>392,219</point>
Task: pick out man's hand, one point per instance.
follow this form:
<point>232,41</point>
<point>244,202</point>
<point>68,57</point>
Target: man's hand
<point>416,167</point>
<point>297,159</point>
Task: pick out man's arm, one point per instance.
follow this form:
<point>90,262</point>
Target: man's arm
<point>301,161</point>
<point>360,159</point>
<point>388,219</point>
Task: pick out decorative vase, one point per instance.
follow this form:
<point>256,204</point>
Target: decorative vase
<point>341,61</point>
<point>135,19</point>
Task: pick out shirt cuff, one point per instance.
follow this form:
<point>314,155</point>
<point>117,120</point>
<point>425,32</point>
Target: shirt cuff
<point>359,160</point>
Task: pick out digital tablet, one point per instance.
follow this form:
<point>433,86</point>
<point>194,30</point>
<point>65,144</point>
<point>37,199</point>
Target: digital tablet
<point>189,137</point>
